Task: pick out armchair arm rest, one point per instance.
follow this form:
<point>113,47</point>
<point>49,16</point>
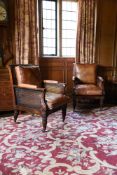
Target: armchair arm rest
<point>54,82</point>
<point>100,82</point>
<point>50,81</point>
<point>54,86</point>
<point>28,86</point>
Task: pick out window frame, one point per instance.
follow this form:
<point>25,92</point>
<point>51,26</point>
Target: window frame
<point>42,31</point>
<point>58,25</point>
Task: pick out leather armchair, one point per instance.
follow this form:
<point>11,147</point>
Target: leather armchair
<point>31,94</point>
<point>86,83</point>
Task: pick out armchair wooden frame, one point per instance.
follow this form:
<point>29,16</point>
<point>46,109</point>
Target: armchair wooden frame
<point>31,99</point>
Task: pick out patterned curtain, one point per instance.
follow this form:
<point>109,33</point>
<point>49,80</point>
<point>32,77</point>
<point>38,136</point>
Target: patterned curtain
<point>26,32</point>
<point>86,32</point>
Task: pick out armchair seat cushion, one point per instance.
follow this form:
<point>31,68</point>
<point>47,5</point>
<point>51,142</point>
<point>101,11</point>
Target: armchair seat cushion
<point>88,89</point>
<point>53,100</point>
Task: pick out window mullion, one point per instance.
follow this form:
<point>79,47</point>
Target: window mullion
<point>40,26</point>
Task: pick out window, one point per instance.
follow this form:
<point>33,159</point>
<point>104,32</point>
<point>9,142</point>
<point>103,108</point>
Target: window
<point>49,27</point>
<point>59,19</point>
<point>69,23</point>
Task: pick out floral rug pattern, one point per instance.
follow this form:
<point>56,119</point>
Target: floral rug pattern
<point>85,144</point>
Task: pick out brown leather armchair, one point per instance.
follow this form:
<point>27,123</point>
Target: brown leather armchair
<point>33,95</point>
<point>86,83</point>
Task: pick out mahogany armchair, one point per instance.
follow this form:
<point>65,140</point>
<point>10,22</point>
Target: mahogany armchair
<point>33,95</point>
<point>86,83</point>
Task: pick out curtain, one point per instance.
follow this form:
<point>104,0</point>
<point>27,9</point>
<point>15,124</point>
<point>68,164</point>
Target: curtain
<point>26,32</point>
<point>86,32</point>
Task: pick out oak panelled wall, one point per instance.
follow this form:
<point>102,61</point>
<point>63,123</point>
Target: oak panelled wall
<point>106,40</point>
<point>6,97</point>
<point>59,69</point>
<point>107,36</point>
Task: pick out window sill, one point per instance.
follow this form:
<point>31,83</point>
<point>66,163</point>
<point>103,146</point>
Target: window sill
<point>56,57</point>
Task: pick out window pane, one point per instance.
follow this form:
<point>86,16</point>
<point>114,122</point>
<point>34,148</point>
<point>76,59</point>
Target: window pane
<point>69,34</point>
<point>69,25</point>
<point>48,14</point>
<point>49,27</point>
<point>49,50</point>
<point>69,15</point>
<point>49,42</point>
<point>68,43</point>
<point>48,33</point>
<point>49,24</point>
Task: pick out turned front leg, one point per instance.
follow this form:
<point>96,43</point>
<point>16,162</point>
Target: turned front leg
<point>16,113</point>
<point>74,102</point>
<point>44,122</point>
<point>64,111</point>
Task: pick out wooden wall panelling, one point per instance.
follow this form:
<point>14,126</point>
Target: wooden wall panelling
<point>6,42</point>
<point>58,69</point>
<point>6,100</point>
<point>106,72</point>
<point>3,39</point>
<point>115,47</point>
<point>53,74</point>
<point>69,74</point>
<point>52,69</point>
<point>106,32</point>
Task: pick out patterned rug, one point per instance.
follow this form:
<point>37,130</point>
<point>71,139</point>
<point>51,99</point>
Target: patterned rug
<point>86,144</point>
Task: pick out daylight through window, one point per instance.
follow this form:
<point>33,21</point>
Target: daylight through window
<point>59,19</point>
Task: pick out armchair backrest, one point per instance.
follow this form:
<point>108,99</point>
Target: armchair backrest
<point>86,73</point>
<point>25,74</point>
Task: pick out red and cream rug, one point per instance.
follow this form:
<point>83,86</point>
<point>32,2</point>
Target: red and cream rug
<point>86,144</point>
